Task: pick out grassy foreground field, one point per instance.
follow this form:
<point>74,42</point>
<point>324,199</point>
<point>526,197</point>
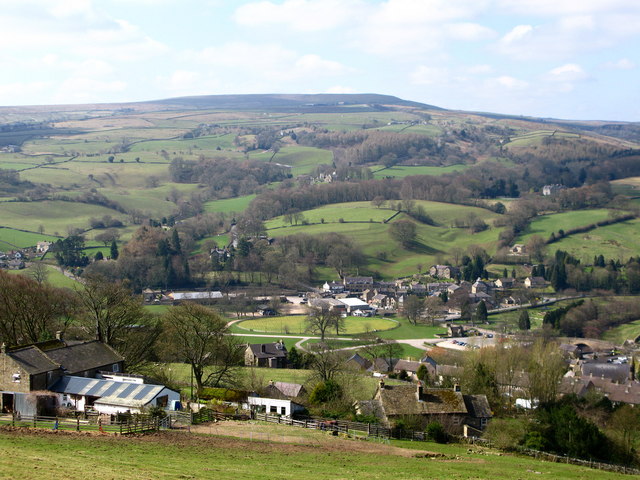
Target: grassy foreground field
<point>272,454</point>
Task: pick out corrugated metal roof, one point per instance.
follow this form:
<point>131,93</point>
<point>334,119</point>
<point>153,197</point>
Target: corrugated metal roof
<point>108,391</point>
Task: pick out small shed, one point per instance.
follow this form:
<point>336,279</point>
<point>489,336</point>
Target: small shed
<point>111,396</point>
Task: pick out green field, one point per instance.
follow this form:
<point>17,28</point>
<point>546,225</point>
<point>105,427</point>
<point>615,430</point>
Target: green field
<point>55,216</point>
<point>622,333</point>
<point>296,324</point>
<point>312,455</point>
<point>387,256</point>
<point>535,137</point>
<point>227,205</point>
<point>303,160</point>
<point>333,213</point>
<point>545,225</point>
<point>54,277</point>
<point>405,171</point>
<point>617,241</point>
<point>11,238</point>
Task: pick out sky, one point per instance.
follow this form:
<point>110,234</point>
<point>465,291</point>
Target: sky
<point>570,59</point>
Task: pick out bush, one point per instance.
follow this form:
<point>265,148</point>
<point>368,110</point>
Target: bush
<point>223,394</point>
<point>325,392</point>
<point>435,431</point>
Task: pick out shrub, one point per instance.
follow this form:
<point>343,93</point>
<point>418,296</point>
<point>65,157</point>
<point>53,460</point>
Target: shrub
<point>435,431</point>
<point>325,392</point>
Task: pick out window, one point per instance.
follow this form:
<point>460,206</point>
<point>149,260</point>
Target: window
<point>16,378</point>
<point>273,409</point>
<point>115,368</point>
<point>456,420</point>
<point>283,410</point>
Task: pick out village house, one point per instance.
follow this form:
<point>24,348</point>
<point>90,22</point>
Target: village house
<point>43,247</point>
<point>518,249</point>
<point>271,355</point>
<point>449,407</point>
<point>444,271</point>
<point>506,282</point>
<point>553,189</point>
<point>357,284</point>
<point>535,282</point>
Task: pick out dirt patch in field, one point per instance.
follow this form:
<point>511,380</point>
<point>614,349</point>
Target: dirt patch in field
<point>291,437</point>
<point>240,435</point>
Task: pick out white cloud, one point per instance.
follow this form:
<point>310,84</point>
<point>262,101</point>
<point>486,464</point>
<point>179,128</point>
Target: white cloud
<point>557,8</point>
<point>10,91</point>
<point>509,82</point>
<point>425,75</point>
<point>516,34</point>
<point>570,72</point>
<point>479,69</point>
<point>84,89</point>
<point>270,62</point>
<point>468,31</point>
<point>622,64</point>
<point>299,15</point>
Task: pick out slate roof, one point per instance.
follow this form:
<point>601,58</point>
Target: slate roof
<point>271,350</point>
<point>84,356</point>
<point>615,372</point>
<point>109,391</point>
<point>403,400</point>
<point>407,365</point>
<point>477,406</point>
<point>289,390</point>
<point>33,360</point>
<point>359,360</point>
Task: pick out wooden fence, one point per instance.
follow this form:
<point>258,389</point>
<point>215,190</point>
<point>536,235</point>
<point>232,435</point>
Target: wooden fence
<point>136,425</point>
<point>338,426</point>
<point>550,457</point>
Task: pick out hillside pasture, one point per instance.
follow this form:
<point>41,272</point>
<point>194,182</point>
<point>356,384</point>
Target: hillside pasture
<point>11,238</point>
<point>297,324</point>
<point>56,216</point>
<point>387,256</point>
<point>228,205</point>
<point>535,137</point>
<point>275,451</point>
<point>429,130</point>
<point>622,333</point>
<point>545,225</point>
<point>617,241</point>
<point>303,160</point>
<point>54,276</point>
<point>401,171</point>
<point>333,213</point>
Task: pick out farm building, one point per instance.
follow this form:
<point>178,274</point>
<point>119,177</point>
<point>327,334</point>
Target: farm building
<point>36,367</point>
<point>199,297</point>
<point>111,396</point>
<point>276,406</point>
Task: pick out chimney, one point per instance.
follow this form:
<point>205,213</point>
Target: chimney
<point>381,384</point>
<point>456,387</point>
<point>59,335</point>
<point>420,390</point>
<point>3,348</point>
